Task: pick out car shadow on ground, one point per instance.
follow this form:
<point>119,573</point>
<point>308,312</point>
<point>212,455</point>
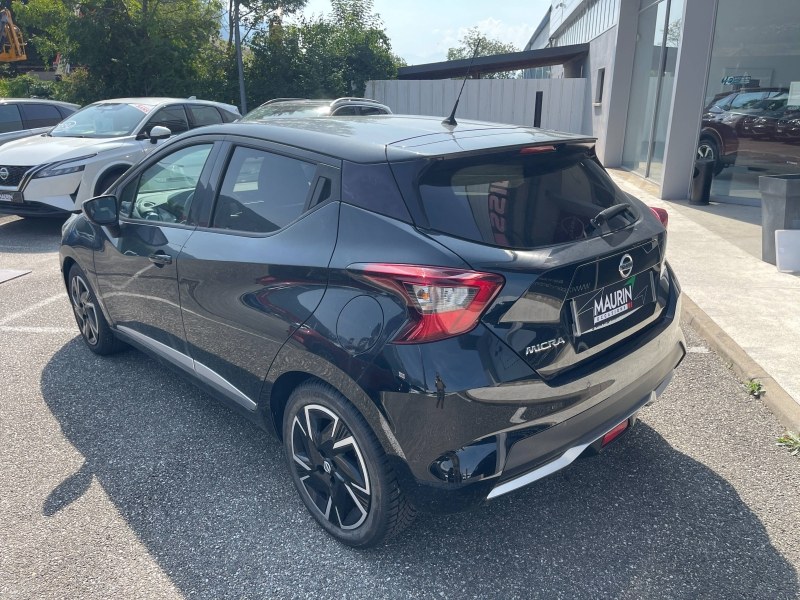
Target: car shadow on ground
<point>30,235</point>
<point>209,496</point>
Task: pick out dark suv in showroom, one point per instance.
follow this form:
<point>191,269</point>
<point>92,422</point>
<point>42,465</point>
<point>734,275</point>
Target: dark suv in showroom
<point>428,316</point>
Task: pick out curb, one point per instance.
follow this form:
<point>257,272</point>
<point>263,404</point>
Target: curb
<point>778,400</point>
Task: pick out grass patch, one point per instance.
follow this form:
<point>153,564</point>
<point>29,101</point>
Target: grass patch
<point>790,441</point>
<point>754,388</point>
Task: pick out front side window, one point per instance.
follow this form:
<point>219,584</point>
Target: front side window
<point>171,117</point>
<point>372,110</point>
<point>262,192</point>
<point>747,100</point>
<point>9,118</point>
<point>103,120</point>
<point>164,191</point>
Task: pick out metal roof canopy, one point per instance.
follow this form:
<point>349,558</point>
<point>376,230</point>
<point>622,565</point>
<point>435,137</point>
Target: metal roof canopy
<point>513,61</point>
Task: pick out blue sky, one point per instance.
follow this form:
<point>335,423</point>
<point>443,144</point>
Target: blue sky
<point>422,30</point>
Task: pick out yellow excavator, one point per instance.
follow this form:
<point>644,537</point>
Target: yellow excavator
<point>12,48</point>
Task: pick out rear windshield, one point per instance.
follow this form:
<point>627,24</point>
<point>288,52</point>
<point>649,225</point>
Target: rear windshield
<point>519,200</point>
<point>288,110</point>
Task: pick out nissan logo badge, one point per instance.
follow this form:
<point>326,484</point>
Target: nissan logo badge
<point>3,173</point>
<point>626,265</point>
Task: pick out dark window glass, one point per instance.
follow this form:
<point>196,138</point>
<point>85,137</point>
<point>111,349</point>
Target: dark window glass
<point>66,110</point>
<point>228,116</point>
<point>205,115</point>
<point>345,111</point>
<point>41,115</point>
<point>372,110</point>
<point>373,187</point>
<point>165,189</point>
<point>171,117</point>
<point>9,118</point>
<point>747,100</point>
<point>519,201</point>
<point>262,192</point>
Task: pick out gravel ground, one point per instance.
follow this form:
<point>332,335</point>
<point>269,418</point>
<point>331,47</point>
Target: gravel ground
<point>120,479</point>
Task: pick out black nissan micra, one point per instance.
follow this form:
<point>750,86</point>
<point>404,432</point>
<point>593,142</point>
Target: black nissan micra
<point>427,315</point>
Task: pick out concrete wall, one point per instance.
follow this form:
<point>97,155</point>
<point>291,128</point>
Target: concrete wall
<point>498,100</point>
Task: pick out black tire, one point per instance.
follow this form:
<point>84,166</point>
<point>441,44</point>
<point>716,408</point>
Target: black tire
<point>708,147</point>
<point>356,480</point>
<point>92,324</point>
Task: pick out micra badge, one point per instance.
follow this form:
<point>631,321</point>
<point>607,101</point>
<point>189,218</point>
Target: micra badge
<point>544,346</point>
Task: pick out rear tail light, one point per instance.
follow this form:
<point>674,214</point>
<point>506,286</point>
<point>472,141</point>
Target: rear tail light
<point>661,214</point>
<point>441,302</point>
<point>615,433</point>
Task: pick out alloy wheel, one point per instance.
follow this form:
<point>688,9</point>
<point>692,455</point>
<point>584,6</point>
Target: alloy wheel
<point>85,310</point>
<point>705,151</point>
<point>331,466</point>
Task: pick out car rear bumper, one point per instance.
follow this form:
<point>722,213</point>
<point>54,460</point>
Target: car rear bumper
<point>533,439</point>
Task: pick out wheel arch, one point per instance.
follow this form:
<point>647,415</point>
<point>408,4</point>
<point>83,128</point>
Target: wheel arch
<point>714,135</point>
<point>115,168</point>
<point>284,377</point>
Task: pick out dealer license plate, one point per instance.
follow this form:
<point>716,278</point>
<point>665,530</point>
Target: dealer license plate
<point>612,303</point>
<point>6,197</point>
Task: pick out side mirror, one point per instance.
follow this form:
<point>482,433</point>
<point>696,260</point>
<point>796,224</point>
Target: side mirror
<point>102,210</point>
<point>159,133</point>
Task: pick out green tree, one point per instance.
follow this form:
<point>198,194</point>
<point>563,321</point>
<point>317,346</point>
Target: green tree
<point>329,56</point>
<point>128,47</point>
<point>488,47</point>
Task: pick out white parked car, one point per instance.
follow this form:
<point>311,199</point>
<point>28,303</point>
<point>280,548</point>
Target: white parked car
<point>53,173</point>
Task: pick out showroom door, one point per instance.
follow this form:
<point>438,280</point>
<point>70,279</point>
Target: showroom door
<point>655,57</point>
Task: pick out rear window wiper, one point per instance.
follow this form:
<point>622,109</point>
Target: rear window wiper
<point>608,213</point>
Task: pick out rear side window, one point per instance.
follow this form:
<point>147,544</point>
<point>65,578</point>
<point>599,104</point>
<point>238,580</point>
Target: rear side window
<point>262,192</point>
<point>41,115</point>
<point>66,110</point>
<point>171,117</point>
<point>204,115</point>
<point>372,110</point>
<point>9,118</point>
<point>516,200</point>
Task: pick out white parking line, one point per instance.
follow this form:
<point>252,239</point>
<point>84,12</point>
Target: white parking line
<point>39,329</point>
<point>32,307</point>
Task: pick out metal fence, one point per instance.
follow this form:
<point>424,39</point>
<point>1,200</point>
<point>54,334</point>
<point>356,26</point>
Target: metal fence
<point>512,101</point>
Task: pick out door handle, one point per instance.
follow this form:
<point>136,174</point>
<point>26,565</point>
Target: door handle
<point>160,259</point>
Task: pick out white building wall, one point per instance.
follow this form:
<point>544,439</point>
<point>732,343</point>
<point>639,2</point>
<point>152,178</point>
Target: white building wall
<point>498,100</point>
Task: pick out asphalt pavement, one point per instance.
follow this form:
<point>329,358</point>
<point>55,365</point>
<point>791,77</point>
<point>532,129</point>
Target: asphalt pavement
<point>119,479</point>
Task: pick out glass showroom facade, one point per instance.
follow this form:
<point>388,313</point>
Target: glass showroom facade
<point>751,116</point>
<point>655,58</point>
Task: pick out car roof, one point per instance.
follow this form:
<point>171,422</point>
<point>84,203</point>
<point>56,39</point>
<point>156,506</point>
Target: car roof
<point>369,139</point>
<point>37,101</point>
<point>150,101</point>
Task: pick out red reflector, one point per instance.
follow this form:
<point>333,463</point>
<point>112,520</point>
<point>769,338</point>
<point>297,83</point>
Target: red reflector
<point>615,433</point>
<point>537,149</point>
<point>662,215</point>
<point>441,302</point>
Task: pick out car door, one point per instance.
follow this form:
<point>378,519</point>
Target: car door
<point>172,116</point>
<point>39,115</point>
<point>137,265</point>
<point>256,267</point>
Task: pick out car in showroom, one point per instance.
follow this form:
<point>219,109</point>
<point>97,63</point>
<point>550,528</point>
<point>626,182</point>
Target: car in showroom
<point>51,174</point>
<point>23,117</point>
<point>428,316</point>
<point>285,108</point>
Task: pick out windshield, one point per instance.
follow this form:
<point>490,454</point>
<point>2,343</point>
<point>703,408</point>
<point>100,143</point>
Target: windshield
<point>516,200</point>
<point>288,109</point>
<point>102,121</point>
